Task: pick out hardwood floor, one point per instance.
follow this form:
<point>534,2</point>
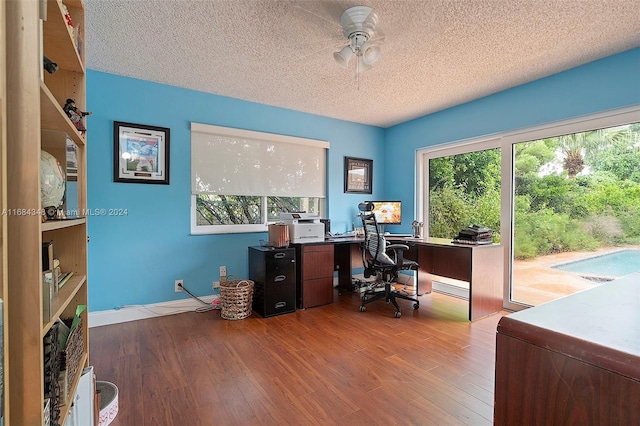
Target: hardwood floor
<point>325,365</point>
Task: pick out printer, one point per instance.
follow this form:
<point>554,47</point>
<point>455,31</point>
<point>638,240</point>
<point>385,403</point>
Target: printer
<point>303,227</point>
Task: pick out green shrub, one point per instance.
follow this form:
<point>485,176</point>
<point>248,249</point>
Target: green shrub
<point>449,211</point>
<point>605,229</point>
<point>546,232</point>
<point>630,222</point>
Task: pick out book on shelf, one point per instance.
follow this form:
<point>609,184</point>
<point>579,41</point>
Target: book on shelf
<point>64,277</point>
<point>48,293</point>
<point>47,255</point>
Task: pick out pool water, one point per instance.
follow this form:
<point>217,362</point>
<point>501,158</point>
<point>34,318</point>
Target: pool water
<point>616,264</point>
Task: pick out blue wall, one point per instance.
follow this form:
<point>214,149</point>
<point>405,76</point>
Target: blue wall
<point>610,83</point>
<point>135,258</point>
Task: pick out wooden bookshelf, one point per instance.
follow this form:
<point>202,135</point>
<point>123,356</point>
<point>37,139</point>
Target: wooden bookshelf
<point>36,121</point>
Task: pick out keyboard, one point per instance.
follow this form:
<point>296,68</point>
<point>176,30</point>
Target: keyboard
<point>398,235</point>
<point>339,236</point>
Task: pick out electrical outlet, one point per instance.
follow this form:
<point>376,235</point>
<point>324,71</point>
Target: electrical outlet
<point>223,273</point>
<point>216,284</point>
<point>179,284</point>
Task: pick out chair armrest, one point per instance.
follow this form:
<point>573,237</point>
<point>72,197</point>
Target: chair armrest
<point>397,255</point>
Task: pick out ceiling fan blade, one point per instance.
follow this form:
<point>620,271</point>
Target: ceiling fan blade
<point>378,37</point>
<point>331,42</point>
<point>324,18</point>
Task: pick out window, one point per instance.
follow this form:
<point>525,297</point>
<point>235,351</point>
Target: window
<point>566,186</point>
<point>461,185</point>
<point>464,189</point>
<point>574,194</point>
<point>241,180</point>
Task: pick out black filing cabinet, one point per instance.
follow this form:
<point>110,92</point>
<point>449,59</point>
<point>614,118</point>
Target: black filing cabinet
<point>273,271</point>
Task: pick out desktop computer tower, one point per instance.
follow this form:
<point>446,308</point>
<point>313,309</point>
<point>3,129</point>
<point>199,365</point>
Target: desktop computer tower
<point>273,272</point>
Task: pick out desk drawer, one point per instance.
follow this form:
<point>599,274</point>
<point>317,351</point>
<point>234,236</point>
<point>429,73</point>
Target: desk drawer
<point>317,292</point>
<point>317,261</point>
<point>274,300</point>
<point>280,255</point>
<point>280,273</point>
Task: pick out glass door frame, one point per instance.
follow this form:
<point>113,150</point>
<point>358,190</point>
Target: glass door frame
<point>507,141</point>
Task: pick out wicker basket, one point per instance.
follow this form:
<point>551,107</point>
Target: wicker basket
<point>70,358</point>
<point>236,297</point>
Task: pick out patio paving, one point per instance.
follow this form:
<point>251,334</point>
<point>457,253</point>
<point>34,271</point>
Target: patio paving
<point>537,282</point>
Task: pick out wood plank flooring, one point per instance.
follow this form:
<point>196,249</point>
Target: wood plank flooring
<point>327,365</point>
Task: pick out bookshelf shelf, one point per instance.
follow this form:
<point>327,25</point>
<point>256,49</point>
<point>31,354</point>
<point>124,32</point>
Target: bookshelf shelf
<point>64,298</point>
<point>53,117</point>
<point>59,45</point>
<point>61,224</point>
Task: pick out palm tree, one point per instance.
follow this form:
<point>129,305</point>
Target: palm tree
<point>576,146</point>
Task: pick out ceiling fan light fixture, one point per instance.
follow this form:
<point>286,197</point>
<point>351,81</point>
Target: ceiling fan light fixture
<point>362,66</point>
<point>370,54</point>
<point>343,56</point>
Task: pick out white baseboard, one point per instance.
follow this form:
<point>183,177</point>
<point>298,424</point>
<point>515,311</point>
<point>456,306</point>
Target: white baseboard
<point>138,312</point>
<point>451,290</point>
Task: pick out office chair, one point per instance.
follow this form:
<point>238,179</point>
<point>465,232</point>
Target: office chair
<point>383,261</point>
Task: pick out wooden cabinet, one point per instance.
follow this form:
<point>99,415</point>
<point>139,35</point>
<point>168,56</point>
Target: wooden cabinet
<point>35,121</point>
<point>572,361</point>
<point>315,274</point>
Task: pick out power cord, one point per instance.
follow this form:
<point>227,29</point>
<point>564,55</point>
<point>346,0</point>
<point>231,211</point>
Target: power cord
<point>207,306</point>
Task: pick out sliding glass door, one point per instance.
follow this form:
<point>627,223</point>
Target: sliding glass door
<point>563,199</point>
<point>463,189</point>
<point>576,210</point>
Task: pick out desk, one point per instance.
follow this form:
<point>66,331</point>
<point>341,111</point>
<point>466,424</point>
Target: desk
<point>575,360</point>
<point>479,265</point>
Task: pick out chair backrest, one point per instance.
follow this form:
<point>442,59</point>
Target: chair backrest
<point>374,246</point>
<point>371,235</point>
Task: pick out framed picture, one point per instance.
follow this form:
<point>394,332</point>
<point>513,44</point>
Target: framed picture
<point>358,175</point>
<point>140,153</point>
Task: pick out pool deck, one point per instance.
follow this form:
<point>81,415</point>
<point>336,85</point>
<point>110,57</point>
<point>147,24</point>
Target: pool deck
<point>537,282</point>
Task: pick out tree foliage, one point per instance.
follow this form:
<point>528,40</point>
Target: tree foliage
<point>572,192</point>
<point>242,209</point>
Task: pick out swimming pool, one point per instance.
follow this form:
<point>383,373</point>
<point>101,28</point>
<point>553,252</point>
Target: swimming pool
<point>615,264</point>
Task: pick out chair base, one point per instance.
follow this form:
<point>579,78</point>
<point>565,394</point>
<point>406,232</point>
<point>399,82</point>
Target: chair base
<point>390,295</point>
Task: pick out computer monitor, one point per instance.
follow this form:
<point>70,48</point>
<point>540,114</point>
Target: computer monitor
<point>388,212</point>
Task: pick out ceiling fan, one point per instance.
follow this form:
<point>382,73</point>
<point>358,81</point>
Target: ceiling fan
<point>363,39</point>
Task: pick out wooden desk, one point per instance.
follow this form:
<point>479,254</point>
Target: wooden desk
<point>479,265</point>
<point>575,360</point>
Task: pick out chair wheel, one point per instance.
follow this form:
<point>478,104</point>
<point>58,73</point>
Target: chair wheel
<point>363,308</point>
<point>416,306</point>
<point>398,314</point>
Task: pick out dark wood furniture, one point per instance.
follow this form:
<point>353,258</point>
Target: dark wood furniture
<point>314,274</point>
<point>575,360</point>
<point>479,265</point>
<point>273,272</point>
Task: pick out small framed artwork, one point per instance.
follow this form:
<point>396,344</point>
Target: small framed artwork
<point>140,153</point>
<point>358,175</point>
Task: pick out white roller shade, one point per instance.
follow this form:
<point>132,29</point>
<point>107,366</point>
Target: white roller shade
<point>227,161</point>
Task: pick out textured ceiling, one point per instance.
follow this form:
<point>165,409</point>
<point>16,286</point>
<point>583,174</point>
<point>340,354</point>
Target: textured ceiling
<point>437,53</point>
